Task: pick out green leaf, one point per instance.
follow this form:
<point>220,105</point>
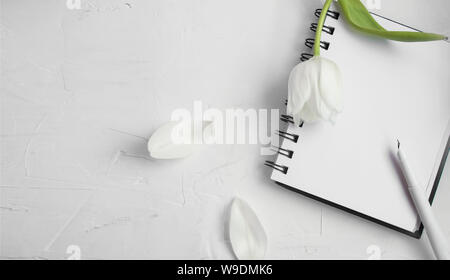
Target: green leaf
<point>359,17</point>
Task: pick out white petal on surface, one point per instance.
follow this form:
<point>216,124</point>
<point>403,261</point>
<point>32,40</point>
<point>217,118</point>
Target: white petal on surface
<point>162,146</point>
<point>247,236</point>
<point>298,87</point>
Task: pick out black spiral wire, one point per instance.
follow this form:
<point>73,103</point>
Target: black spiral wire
<point>288,119</point>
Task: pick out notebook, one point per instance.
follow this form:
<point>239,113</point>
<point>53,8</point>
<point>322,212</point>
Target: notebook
<point>393,90</point>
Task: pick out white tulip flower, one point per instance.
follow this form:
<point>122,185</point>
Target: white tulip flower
<point>315,91</point>
<point>177,139</point>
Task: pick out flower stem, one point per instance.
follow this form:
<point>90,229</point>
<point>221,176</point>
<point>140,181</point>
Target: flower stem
<point>320,24</point>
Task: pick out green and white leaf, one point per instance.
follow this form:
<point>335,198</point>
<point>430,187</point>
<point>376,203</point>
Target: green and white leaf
<point>359,17</point>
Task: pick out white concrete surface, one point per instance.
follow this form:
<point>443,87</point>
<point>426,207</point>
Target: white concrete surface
<point>82,90</point>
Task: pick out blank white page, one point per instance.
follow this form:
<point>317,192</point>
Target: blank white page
<point>393,90</point>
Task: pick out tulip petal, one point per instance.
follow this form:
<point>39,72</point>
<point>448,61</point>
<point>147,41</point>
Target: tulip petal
<point>247,236</point>
<point>299,90</point>
<point>313,111</point>
<point>209,132</point>
<point>178,139</point>
<point>330,85</point>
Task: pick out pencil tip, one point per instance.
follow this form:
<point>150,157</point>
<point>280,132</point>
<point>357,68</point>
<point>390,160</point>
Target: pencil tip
<point>398,144</point>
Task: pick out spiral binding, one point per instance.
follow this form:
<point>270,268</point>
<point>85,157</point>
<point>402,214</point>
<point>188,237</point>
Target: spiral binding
<point>288,119</point>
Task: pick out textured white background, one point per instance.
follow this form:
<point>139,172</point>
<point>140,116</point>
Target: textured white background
<point>82,90</point>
